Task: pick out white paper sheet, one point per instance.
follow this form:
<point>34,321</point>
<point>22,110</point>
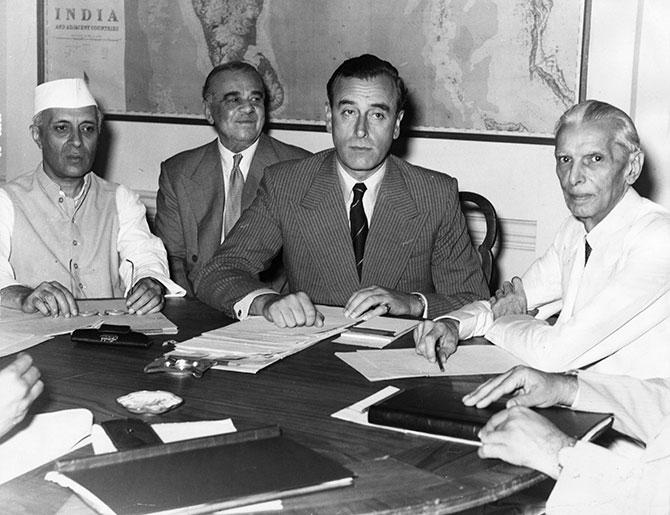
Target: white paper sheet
<point>168,432</point>
<point>253,344</point>
<point>20,331</point>
<point>47,437</point>
<point>379,365</point>
<point>365,333</point>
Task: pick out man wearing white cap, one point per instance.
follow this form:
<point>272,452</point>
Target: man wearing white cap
<point>65,233</point>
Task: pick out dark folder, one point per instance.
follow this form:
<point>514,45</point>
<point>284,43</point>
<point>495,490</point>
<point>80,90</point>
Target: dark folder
<point>201,475</point>
<point>438,409</point>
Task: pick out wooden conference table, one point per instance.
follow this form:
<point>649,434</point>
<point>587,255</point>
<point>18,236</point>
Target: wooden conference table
<point>395,473</point>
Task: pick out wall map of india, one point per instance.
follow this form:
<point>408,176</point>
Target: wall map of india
<point>481,66</point>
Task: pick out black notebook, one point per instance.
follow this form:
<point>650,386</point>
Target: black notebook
<point>200,475</point>
<point>438,409</point>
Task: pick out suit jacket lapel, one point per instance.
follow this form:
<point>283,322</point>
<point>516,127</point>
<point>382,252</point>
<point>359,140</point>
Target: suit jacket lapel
<point>326,231</point>
<point>264,156</point>
<point>395,224</point>
<point>206,195</point>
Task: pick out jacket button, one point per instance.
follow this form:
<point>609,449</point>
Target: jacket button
<point>194,258</point>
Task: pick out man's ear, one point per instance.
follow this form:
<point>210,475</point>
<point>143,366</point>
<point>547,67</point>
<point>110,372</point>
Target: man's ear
<point>35,134</point>
<point>636,163</point>
<point>329,117</point>
<point>208,112</point>
<point>396,129</point>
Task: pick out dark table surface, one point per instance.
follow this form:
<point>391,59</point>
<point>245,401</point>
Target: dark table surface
<point>395,473</point>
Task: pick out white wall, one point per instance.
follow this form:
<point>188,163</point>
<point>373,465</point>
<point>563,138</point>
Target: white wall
<point>628,66</point>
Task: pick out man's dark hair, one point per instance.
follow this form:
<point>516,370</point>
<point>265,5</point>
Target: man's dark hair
<point>233,66</point>
<point>368,66</point>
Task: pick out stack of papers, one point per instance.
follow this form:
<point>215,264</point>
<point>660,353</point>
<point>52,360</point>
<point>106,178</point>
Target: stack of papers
<point>253,344</point>
<point>380,365</point>
<point>377,332</point>
<point>20,331</point>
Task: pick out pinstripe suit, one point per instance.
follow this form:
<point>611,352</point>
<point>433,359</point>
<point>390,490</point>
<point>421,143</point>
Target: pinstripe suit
<point>418,240</point>
<point>190,202</point>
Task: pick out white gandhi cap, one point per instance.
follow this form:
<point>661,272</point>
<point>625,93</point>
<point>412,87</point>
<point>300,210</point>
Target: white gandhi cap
<point>63,93</point>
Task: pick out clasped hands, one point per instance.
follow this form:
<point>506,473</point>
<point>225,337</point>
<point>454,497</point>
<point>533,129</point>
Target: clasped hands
<point>51,298</point>
<point>297,309</point>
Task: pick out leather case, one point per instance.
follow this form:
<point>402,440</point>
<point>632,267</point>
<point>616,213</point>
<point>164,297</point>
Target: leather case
<point>108,334</point>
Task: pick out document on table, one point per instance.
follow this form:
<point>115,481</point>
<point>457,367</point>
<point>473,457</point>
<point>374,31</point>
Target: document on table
<point>43,438</point>
<point>20,331</point>
<point>379,365</point>
<point>254,343</point>
<point>377,332</point>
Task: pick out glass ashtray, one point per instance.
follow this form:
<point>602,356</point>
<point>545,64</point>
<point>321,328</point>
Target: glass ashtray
<point>180,365</point>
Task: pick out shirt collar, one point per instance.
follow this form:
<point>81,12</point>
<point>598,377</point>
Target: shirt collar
<point>619,217</point>
<point>227,157</point>
<point>372,183</point>
<point>52,189</point>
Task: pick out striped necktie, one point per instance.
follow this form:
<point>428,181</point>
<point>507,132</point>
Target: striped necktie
<point>233,206</point>
<point>359,225</point>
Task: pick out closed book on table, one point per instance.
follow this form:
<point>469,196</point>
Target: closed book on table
<point>439,409</point>
<point>200,475</point>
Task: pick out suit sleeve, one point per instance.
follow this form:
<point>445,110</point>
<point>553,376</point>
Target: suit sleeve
<point>635,300</point>
<point>169,229</point>
<point>249,248</point>
<point>456,270</point>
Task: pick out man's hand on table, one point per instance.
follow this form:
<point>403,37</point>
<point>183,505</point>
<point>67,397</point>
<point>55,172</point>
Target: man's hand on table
<point>146,296</point>
<point>444,333</point>
<point>50,298</point>
<point>374,301</point>
<point>292,310</point>
<point>518,435</point>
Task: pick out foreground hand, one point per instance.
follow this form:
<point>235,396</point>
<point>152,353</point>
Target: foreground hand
<point>444,332</point>
<point>374,301</point>
<point>530,387</point>
<point>50,298</point>
<point>523,437</point>
<point>146,296</point>
<point>20,385</point>
<point>292,310</point>
<point>510,299</point>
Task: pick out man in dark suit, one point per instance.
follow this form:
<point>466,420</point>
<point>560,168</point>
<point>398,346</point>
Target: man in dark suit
<point>358,228</point>
<point>202,190</point>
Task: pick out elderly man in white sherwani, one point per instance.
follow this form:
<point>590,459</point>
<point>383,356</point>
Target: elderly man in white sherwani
<point>607,272</point>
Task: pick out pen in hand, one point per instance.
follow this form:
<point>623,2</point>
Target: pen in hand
<point>438,358</point>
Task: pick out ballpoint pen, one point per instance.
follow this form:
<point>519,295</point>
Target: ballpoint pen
<point>437,356</point>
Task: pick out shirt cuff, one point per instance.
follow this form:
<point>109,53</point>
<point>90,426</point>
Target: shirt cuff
<point>242,306</point>
<point>473,319</point>
<point>424,301</point>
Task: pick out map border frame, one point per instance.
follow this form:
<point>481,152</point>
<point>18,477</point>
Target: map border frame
<point>319,125</point>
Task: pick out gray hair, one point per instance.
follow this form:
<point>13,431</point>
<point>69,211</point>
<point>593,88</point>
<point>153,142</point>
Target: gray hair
<point>625,133</point>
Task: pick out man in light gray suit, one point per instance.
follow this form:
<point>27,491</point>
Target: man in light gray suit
<point>358,228</point>
<point>203,190</point>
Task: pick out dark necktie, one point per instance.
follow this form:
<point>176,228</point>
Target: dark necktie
<point>587,251</point>
<point>359,225</point>
<point>233,206</point>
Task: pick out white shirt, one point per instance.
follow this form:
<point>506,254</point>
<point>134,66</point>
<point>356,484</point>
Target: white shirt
<point>615,312</point>
<point>595,480</point>
<point>226,157</point>
<point>134,239</point>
